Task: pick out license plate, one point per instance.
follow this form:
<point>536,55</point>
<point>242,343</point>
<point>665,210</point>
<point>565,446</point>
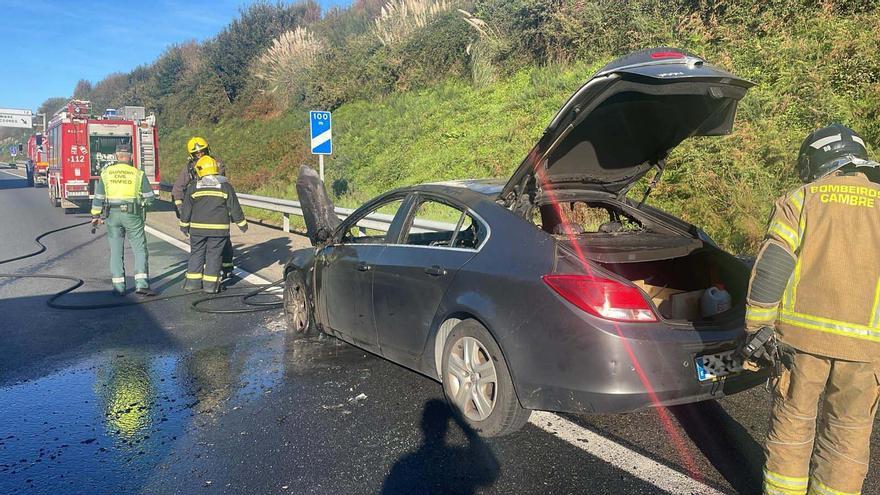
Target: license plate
<point>711,367</point>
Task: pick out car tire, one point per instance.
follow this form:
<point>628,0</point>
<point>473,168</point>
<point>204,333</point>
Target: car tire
<point>471,358</point>
<point>298,307</point>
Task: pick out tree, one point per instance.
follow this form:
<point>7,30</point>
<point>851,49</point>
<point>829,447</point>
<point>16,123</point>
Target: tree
<point>52,105</point>
<point>83,90</point>
<point>232,51</point>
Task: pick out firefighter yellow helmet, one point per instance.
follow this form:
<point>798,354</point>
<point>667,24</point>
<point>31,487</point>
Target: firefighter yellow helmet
<point>206,166</point>
<point>196,144</point>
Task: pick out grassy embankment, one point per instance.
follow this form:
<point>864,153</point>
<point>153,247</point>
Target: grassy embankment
<point>808,72</point>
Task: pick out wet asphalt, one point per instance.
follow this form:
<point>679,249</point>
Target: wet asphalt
<point>157,398</point>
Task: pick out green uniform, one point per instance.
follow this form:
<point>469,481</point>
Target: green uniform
<point>126,191</point>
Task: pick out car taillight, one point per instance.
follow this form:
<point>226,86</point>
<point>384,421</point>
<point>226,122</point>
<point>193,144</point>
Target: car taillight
<point>602,297</point>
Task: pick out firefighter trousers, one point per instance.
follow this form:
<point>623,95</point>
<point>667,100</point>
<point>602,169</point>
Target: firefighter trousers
<point>205,260</point>
<point>834,461</point>
<point>119,226</point>
<point>227,263</point>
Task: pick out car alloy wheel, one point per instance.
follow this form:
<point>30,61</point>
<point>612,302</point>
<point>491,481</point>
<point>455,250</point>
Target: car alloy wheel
<point>477,383</point>
<point>297,310</point>
<point>472,380</point>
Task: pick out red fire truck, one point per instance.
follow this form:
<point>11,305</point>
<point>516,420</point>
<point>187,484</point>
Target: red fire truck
<point>37,161</point>
<point>80,147</point>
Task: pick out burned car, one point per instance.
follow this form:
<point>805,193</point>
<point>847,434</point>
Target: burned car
<point>554,290</point>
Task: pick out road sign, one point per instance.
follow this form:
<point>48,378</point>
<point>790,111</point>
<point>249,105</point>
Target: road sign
<point>322,136</point>
<point>14,117</point>
<point>13,150</point>
<point>322,139</point>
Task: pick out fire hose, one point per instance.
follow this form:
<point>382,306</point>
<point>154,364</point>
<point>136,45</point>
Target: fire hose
<point>245,294</point>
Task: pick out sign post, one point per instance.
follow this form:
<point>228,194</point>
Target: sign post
<point>322,136</point>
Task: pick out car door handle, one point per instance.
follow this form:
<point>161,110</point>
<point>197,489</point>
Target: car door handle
<point>435,271</point>
<point>363,267</point>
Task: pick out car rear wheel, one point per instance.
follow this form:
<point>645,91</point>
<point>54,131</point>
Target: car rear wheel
<point>477,384</point>
<point>297,307</point>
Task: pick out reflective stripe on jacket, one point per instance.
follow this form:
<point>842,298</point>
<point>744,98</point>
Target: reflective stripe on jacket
<point>830,305</point>
<point>209,205</point>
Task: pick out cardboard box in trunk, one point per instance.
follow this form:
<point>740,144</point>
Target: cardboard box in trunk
<point>674,304</point>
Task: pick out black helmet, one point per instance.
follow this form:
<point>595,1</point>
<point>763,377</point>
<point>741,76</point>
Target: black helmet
<point>828,149</point>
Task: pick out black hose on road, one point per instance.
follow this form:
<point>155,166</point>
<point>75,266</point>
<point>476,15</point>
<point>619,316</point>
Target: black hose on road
<point>254,306</point>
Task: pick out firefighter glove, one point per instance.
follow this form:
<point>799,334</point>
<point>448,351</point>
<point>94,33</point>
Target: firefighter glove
<point>760,349</point>
<point>96,220</point>
<point>243,228</point>
<point>185,231</point>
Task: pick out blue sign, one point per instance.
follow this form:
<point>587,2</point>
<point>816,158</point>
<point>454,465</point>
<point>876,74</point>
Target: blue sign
<point>13,150</point>
<point>322,137</point>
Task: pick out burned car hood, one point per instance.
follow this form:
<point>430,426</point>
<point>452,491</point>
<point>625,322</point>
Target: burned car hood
<point>626,119</point>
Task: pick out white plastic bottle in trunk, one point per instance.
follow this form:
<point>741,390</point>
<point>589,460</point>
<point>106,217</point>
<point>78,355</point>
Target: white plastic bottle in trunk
<point>715,300</point>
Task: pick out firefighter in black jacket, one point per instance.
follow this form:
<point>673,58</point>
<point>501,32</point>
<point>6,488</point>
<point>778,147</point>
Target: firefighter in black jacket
<point>197,147</point>
<point>209,204</point>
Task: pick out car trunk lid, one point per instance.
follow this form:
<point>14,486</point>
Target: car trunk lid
<point>625,120</point>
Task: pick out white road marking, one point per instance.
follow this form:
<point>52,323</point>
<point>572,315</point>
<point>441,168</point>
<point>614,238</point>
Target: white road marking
<point>644,468</point>
<point>14,175</point>
<point>615,454</point>
<point>242,274</point>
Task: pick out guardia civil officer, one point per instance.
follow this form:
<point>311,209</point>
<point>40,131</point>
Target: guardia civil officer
<point>209,204</point>
<point>197,147</point>
<point>816,283</point>
<point>121,197</point>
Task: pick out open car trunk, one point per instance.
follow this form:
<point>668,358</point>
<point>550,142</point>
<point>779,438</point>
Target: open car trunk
<point>675,285</point>
<point>672,267</point>
<point>674,281</point>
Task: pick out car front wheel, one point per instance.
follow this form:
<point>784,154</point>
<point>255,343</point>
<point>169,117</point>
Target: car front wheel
<point>477,384</point>
<point>297,307</point>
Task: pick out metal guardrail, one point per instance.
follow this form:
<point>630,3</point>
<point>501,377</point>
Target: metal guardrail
<point>374,221</point>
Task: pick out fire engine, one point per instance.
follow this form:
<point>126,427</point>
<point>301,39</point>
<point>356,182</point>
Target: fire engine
<point>80,147</point>
<point>37,164</point>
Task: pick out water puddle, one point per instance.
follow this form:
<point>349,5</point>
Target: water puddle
<point>107,424</point>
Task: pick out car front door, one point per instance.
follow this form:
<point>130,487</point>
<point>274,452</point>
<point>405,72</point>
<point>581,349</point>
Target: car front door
<point>346,275</point>
<point>411,276</point>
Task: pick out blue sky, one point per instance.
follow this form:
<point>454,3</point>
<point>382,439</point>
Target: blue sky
<point>49,45</point>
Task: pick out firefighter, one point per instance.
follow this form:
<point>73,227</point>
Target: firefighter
<point>814,290</point>
<point>121,197</point>
<point>197,147</point>
<point>209,204</point>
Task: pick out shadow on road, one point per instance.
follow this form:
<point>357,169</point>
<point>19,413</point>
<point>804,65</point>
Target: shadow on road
<point>727,445</point>
<point>437,467</point>
<point>259,256</point>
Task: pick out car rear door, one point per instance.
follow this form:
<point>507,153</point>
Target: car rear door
<point>410,277</point>
<point>346,274</point>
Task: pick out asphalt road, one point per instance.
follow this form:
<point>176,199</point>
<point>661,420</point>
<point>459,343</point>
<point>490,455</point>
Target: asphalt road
<point>157,398</point>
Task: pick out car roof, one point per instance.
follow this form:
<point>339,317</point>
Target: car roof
<point>468,191</point>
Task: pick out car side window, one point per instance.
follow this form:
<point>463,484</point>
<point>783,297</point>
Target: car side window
<point>446,226</point>
<point>366,230</point>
